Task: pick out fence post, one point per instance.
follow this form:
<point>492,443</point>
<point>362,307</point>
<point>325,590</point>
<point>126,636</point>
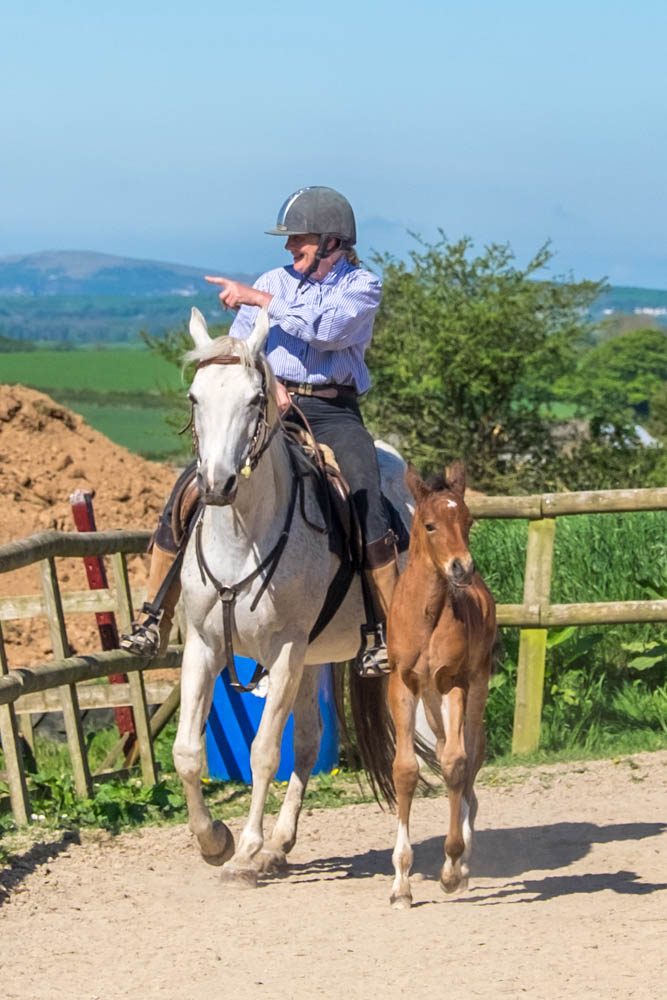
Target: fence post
<point>135,678</point>
<point>68,695</point>
<point>18,789</point>
<point>533,642</point>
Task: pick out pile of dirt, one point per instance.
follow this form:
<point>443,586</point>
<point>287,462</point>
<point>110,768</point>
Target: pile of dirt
<point>46,453</point>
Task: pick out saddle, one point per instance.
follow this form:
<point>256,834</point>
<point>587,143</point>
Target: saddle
<point>341,523</point>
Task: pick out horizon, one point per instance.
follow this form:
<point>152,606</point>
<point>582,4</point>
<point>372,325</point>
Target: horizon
<point>197,267</point>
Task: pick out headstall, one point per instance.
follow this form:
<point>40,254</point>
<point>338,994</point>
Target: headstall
<point>261,439</point>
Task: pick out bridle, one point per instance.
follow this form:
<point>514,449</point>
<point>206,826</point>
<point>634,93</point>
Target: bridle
<point>263,434</point>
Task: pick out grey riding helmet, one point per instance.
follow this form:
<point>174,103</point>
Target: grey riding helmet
<point>319,210</point>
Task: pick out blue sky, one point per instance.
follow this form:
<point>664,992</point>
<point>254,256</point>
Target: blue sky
<point>175,130</point>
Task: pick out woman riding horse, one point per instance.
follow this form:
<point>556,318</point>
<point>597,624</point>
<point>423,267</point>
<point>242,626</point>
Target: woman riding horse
<point>321,309</point>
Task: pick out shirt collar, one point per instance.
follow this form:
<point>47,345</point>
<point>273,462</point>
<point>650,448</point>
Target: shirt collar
<point>340,267</point>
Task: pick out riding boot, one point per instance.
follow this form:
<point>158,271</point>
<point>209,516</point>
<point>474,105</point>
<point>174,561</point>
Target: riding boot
<point>150,636</point>
<point>381,579</point>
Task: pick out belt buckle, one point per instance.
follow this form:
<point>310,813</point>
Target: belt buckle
<point>305,389</point>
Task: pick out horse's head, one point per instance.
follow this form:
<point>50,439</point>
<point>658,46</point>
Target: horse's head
<point>442,523</point>
<point>233,406</point>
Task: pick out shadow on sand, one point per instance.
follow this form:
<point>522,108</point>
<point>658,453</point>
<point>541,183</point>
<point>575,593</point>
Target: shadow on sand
<point>506,854</point>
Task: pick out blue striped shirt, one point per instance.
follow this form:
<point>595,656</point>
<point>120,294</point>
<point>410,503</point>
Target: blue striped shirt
<point>319,333</point>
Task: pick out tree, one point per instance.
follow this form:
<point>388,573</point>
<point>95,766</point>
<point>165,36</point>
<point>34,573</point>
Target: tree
<point>465,354</point>
<point>621,373</point>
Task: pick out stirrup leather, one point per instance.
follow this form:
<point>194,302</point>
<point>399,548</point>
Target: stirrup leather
<point>145,638</point>
<point>371,660</point>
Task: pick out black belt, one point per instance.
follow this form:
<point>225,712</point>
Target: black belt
<point>326,390</point>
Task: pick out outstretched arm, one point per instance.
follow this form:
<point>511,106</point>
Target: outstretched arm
<point>235,294</point>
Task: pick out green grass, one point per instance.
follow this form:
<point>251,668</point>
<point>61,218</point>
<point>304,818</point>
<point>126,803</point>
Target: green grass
<point>142,430</point>
<point>605,686</point>
<point>116,391</point>
<point>119,368</point>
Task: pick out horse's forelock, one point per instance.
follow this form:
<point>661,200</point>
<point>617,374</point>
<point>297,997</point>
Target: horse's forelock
<point>221,347</point>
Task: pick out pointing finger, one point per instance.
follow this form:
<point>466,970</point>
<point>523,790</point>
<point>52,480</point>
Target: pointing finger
<point>217,281</point>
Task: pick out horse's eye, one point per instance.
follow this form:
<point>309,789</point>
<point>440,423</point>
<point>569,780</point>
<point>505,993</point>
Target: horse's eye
<point>430,526</point>
<point>256,399</point>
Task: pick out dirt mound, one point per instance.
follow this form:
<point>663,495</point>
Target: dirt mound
<point>47,452</point>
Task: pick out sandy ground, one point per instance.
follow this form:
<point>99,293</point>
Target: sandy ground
<point>568,899</point>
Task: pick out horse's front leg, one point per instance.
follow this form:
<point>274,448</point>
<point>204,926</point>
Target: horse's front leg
<point>198,674</point>
<point>284,679</point>
<point>307,739</point>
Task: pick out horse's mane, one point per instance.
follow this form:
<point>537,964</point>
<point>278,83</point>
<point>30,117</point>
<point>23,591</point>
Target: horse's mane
<point>221,347</point>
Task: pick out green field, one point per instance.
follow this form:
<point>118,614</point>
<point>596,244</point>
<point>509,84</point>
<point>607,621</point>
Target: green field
<point>116,390</point>
<point>117,369</point>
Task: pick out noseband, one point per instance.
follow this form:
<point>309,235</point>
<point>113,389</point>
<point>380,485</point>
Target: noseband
<point>261,439</point>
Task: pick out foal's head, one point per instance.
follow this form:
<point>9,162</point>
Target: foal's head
<point>442,522</point>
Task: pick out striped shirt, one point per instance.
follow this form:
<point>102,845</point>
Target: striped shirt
<point>318,334</point>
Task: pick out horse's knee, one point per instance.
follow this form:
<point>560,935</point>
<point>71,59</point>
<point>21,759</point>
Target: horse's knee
<point>406,776</point>
<point>454,770</point>
<point>187,761</point>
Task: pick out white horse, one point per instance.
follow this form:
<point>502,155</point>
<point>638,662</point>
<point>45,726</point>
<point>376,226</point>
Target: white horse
<point>246,483</point>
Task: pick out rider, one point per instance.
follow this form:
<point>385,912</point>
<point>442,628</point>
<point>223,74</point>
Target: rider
<point>321,309</point>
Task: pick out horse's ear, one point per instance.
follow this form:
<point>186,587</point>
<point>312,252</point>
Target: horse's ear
<point>455,477</point>
<point>198,328</point>
<point>416,484</point>
<point>260,332</point>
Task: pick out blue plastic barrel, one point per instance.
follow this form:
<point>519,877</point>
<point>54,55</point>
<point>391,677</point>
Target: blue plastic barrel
<point>233,722</point>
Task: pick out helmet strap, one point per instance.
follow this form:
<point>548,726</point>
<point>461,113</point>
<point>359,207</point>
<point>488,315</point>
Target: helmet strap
<point>320,253</point>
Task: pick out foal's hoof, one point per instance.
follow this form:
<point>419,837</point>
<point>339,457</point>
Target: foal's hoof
<point>400,902</point>
<point>270,861</point>
<point>223,835</point>
<point>244,876</point>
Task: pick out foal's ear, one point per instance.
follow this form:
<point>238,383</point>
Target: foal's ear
<point>455,477</point>
<point>260,332</point>
<point>198,328</point>
<point>415,484</point>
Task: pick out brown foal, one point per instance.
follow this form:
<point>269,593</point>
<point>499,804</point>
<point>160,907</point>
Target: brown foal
<point>441,634</point>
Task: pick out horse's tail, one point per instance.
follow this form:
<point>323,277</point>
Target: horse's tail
<point>368,733</point>
<point>366,727</point>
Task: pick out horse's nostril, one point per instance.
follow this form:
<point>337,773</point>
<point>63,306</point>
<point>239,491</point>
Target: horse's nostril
<point>229,485</point>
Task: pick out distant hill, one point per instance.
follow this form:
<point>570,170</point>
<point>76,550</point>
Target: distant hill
<point>76,272</point>
<point>647,303</point>
<point>72,296</point>
<point>79,297</point>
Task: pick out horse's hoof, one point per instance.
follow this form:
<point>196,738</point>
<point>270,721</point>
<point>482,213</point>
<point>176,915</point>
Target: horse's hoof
<point>246,877</point>
<point>453,884</point>
<point>271,861</point>
<point>222,833</point>
<point>400,902</point>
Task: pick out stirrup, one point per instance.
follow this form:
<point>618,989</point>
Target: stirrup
<point>145,638</point>
<point>371,660</point>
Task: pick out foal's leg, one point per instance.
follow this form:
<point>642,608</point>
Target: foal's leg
<point>475,741</point>
<point>403,707</point>
<point>198,674</point>
<point>284,679</point>
<point>452,755</point>
<point>307,738</point>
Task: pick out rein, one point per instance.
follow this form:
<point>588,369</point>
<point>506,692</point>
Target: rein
<point>229,593</point>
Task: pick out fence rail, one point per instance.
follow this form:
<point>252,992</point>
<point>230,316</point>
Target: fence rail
<point>534,616</point>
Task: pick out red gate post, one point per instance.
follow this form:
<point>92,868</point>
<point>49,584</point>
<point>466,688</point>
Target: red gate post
<point>81,502</point>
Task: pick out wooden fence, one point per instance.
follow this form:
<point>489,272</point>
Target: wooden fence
<point>60,677</point>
